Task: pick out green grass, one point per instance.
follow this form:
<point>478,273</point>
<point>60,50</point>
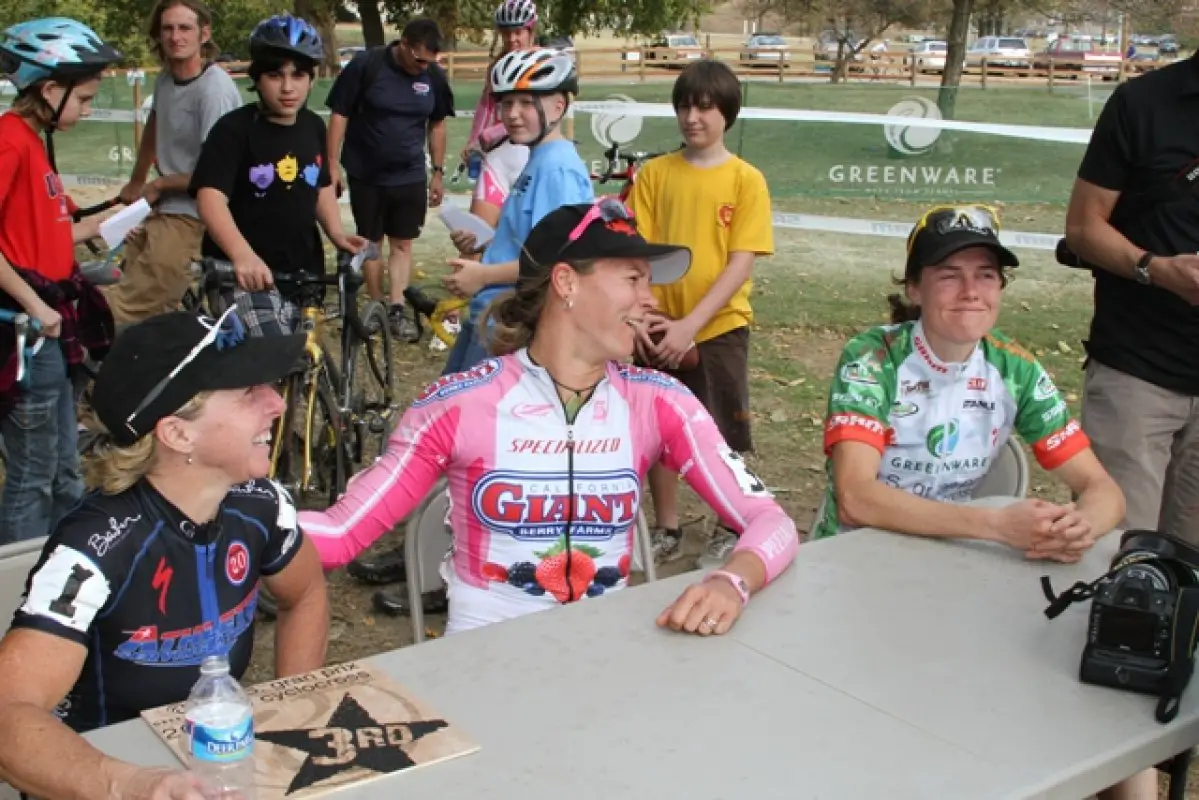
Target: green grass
<point>803,161</point>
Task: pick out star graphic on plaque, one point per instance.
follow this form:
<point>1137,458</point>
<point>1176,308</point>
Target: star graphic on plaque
<point>351,738</point>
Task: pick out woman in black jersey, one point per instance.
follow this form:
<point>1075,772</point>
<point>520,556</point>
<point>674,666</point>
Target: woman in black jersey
<point>159,565</point>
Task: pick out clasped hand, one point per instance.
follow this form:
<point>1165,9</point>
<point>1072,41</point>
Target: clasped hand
<point>1045,530</point>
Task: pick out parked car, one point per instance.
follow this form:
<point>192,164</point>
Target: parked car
<point>999,51</point>
<point>825,47</point>
<point>1167,45</point>
<point>675,47</point>
<point>765,47</point>
<point>1073,53</point>
<point>928,56</point>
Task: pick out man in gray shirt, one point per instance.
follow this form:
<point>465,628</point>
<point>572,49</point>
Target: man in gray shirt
<point>190,95</point>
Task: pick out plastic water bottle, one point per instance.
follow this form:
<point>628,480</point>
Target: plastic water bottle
<point>474,165</point>
<point>219,729</point>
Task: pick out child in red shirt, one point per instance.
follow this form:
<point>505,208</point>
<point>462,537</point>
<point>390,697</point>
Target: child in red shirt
<point>55,64</point>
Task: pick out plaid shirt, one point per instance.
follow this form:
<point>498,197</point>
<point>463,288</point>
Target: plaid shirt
<point>87,326</point>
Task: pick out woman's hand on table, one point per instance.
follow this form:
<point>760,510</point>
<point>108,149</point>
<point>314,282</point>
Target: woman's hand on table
<point>705,608</point>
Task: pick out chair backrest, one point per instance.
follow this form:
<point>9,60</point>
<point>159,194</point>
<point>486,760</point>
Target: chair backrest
<point>14,571</point>
<point>1008,476</point>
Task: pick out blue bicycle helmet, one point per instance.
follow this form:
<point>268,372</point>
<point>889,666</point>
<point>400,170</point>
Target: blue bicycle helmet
<point>53,47</point>
<point>284,33</point>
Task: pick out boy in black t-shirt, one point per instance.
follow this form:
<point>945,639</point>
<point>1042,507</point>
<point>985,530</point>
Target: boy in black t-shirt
<point>262,181</point>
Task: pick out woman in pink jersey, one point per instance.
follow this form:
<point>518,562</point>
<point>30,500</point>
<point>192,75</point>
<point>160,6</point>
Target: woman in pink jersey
<point>546,447</point>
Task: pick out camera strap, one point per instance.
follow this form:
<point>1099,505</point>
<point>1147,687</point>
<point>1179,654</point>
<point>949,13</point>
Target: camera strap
<point>1183,637</point>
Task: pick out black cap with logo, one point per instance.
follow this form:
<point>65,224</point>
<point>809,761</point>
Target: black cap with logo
<point>944,230</point>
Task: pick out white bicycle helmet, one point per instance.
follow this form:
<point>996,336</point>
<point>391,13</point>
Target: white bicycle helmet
<point>538,71</point>
<point>516,14</point>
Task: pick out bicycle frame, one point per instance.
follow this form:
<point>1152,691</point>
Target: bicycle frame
<point>312,321</point>
<point>24,325</point>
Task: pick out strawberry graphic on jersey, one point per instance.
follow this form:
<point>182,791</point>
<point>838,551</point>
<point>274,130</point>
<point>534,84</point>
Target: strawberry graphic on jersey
<point>555,578</point>
<point>623,565</point>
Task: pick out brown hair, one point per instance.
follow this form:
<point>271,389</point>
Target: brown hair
<point>904,311</point>
<point>208,50</point>
<point>31,105</point>
<point>708,81</point>
<point>511,319</point>
<point>113,469</point>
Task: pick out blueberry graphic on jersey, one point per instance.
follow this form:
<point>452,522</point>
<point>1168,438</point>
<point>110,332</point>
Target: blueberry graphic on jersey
<point>607,576</point>
<point>522,573</point>
<point>262,175</point>
<point>595,590</point>
<point>311,173</point>
<point>534,589</point>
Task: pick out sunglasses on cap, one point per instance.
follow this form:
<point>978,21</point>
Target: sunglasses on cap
<point>226,332</point>
<point>975,218</point>
<point>608,210</point>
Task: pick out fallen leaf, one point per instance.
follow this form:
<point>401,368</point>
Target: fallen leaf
<point>797,382</point>
<point>778,415</point>
<point>1072,397</point>
<point>1062,347</point>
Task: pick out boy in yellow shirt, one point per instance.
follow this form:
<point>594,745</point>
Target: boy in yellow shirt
<point>718,205</point>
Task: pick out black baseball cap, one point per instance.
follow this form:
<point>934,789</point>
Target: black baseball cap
<point>611,233</point>
<point>135,387</point>
<point>944,230</point>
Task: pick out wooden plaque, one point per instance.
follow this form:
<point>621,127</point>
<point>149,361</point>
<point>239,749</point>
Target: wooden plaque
<point>335,727</point>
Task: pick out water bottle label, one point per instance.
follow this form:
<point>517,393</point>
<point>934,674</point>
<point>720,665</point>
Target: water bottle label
<point>221,745</point>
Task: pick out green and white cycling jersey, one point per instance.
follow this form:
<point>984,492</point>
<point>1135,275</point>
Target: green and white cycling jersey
<point>938,425</point>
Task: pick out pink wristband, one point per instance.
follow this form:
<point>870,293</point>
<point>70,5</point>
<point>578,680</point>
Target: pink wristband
<point>736,580</point>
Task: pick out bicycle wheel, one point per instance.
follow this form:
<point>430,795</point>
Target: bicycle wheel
<point>368,385</point>
<point>320,439</point>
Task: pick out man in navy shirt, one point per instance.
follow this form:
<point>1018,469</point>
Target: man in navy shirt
<point>385,105</point>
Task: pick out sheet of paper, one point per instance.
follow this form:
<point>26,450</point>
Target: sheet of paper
<point>114,229</point>
<point>458,220</point>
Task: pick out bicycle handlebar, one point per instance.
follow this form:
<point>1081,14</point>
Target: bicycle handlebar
<point>98,208</point>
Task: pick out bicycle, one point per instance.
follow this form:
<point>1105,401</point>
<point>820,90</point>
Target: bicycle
<point>436,313</point>
<point>357,398</point>
<point>633,162</point>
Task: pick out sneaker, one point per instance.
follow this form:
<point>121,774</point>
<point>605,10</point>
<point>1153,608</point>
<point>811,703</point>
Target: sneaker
<point>402,327</point>
<point>665,543</point>
<point>720,546</point>
<point>384,568</point>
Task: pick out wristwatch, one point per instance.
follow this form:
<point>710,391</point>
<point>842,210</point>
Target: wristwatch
<point>736,580</point>
<point>438,168</point>
<point>1142,268</point>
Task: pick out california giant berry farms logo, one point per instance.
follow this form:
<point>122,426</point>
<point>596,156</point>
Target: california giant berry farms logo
<point>535,506</point>
<point>447,386</point>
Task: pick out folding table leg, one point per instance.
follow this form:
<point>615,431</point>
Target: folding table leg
<point>1178,767</point>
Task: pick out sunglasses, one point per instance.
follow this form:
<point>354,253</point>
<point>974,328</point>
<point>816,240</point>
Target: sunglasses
<point>224,333</point>
<point>606,209</point>
<point>976,218</point>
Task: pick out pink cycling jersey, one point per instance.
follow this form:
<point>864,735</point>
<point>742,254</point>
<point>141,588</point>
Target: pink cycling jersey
<point>525,485</point>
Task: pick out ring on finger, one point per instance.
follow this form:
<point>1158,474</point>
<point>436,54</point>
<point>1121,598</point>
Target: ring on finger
<point>710,622</point>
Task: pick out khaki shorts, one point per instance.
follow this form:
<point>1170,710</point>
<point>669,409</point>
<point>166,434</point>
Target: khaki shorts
<point>1147,438</point>
<point>157,268</point>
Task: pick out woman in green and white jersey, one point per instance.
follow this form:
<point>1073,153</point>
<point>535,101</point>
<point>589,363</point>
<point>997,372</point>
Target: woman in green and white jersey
<point>919,409</point>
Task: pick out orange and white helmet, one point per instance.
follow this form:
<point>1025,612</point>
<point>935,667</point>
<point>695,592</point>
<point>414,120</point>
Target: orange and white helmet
<point>538,71</point>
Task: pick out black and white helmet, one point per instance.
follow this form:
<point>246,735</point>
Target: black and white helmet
<point>516,14</point>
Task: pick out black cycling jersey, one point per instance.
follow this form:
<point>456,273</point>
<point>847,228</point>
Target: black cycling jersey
<point>150,594</point>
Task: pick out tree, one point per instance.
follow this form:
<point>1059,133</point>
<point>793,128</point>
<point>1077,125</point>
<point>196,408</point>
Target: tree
<point>856,23</point>
<point>759,10</point>
<point>955,57</point>
<point>322,15</point>
<point>372,23</point>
